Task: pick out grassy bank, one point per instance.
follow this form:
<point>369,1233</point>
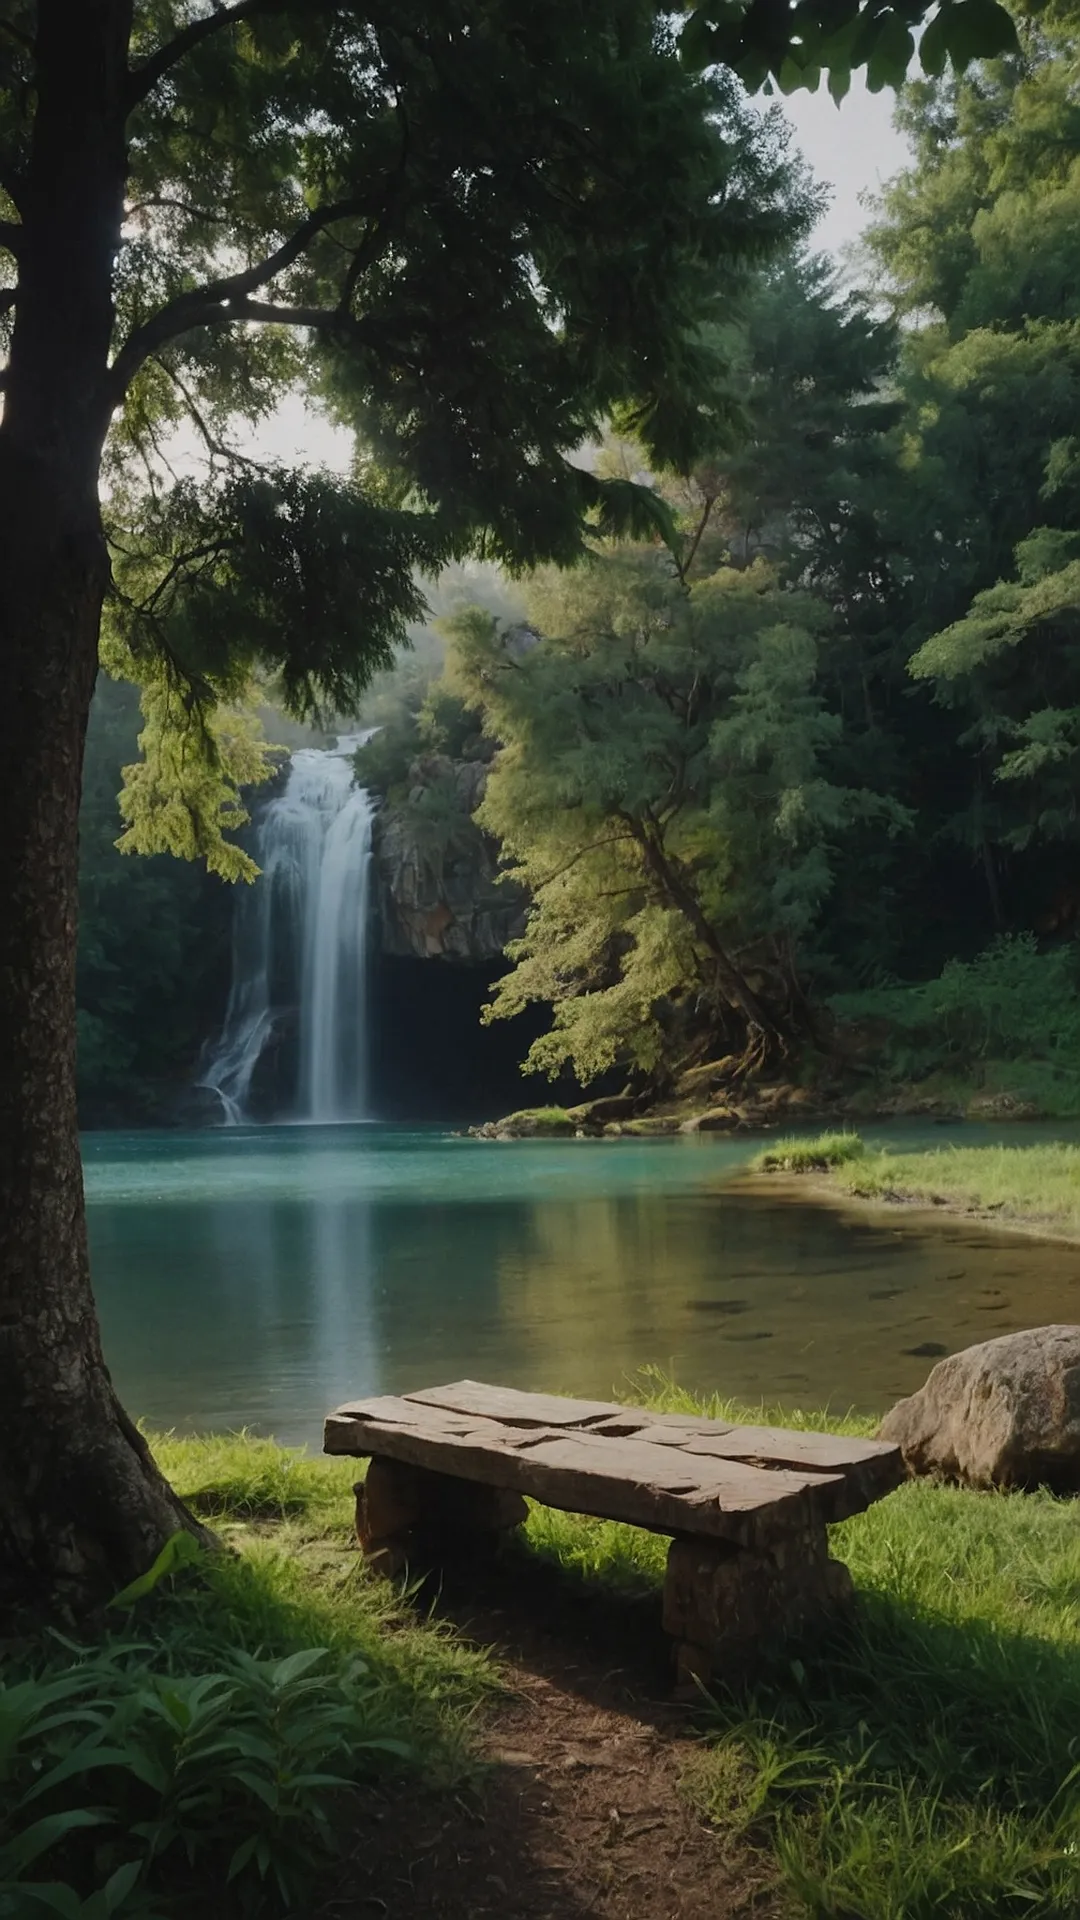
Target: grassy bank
<point>205,1736</point>
<point>1037,1186</point>
<point>926,1763</point>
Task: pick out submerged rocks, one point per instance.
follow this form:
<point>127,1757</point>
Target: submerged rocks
<point>1003,1414</point>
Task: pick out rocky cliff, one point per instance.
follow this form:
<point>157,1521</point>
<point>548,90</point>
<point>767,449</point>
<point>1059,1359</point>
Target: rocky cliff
<point>438,897</point>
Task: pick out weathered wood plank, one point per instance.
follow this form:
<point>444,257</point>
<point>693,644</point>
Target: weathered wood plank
<point>512,1407</point>
<point>867,1469</point>
<point>660,1488</point>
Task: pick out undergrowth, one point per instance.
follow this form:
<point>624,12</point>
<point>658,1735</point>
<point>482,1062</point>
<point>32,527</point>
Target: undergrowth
<point>205,1737</point>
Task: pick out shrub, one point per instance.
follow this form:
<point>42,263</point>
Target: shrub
<point>1011,1002</point>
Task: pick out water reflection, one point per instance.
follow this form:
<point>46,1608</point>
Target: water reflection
<point>259,1279</point>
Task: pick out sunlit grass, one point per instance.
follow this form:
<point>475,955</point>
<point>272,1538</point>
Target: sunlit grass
<point>1039,1184</point>
<point>823,1151</point>
<point>294,1578</point>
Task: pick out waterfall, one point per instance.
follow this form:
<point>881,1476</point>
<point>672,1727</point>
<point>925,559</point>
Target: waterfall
<point>300,940</point>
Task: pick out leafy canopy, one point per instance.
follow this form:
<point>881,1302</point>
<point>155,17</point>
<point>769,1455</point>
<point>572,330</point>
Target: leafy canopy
<point>662,791</point>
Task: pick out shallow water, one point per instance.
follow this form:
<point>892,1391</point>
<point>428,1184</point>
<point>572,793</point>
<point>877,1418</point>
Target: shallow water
<point>258,1277</point>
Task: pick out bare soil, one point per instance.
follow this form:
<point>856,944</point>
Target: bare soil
<point>581,1808</point>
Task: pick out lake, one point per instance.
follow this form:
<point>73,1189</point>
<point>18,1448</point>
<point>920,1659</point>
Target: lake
<point>259,1276</point>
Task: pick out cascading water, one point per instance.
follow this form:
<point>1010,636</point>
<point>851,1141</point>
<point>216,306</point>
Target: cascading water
<point>300,940</point>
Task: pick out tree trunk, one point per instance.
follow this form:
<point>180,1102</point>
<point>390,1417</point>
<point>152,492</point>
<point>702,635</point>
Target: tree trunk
<point>82,1506</point>
<point>766,1042</point>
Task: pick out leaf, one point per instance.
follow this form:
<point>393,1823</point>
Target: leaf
<point>296,1665</point>
<point>180,1550</point>
<point>28,1846</point>
<point>934,46</point>
<point>55,1896</point>
<point>892,54</point>
<point>120,1884</point>
<point>977,30</point>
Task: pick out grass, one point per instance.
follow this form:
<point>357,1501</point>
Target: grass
<point>228,1706</point>
<point>1035,1186</point>
<point>816,1155</point>
<point>924,1764</point>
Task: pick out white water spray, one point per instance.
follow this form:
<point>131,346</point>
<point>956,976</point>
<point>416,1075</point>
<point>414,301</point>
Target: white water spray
<point>300,938</point>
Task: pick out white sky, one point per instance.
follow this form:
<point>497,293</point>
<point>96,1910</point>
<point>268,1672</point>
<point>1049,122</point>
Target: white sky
<point>853,148</point>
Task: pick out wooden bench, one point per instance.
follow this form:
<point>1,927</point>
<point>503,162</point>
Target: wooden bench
<point>747,1507</point>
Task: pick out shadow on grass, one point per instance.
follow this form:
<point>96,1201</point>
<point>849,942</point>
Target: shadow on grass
<point>919,1761</point>
<point>908,1767</point>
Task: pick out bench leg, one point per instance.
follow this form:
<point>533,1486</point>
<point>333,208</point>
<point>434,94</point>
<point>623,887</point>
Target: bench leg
<point>411,1516</point>
<point>724,1605</point>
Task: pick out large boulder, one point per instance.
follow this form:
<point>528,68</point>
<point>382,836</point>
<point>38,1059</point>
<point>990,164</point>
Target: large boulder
<point>1003,1414</point>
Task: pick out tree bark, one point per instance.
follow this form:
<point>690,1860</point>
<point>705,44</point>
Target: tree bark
<point>82,1506</point>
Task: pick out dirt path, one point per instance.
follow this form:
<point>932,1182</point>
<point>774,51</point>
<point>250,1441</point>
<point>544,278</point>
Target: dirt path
<point>582,1811</point>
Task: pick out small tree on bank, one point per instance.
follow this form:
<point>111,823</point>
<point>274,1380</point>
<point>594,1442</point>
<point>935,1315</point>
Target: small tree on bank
<point>480,226</point>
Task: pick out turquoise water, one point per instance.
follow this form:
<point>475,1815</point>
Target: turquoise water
<point>258,1277</point>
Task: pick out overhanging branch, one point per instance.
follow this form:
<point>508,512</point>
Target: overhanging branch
<point>144,78</point>
<point>221,302</point>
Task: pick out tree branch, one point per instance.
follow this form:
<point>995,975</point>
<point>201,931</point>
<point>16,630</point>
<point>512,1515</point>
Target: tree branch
<point>144,78</point>
<point>215,447</point>
<point>223,301</point>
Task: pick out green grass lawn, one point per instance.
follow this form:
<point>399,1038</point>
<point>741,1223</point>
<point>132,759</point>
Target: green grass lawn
<point>1037,1185</point>
<point>923,1762</point>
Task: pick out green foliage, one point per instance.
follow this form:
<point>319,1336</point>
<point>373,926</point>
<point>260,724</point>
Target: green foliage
<point>205,1743</point>
<point>793,48</point>
<point>809,1156</point>
<point>1012,1002</point>
<point>662,790</point>
<point>228,1770</point>
<point>323,200</point>
<point>153,940</point>
<point>1037,1186</point>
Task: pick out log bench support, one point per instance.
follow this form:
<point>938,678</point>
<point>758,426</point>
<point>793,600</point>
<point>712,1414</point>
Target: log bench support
<point>414,1517</point>
<point>726,1606</point>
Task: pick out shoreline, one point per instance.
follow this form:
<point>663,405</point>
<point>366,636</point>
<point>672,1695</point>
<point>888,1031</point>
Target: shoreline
<point>848,1175</point>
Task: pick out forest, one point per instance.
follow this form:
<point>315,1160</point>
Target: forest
<point>793,767</point>
<point>676,680</point>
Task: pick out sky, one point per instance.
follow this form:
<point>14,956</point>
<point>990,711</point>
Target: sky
<point>852,147</point>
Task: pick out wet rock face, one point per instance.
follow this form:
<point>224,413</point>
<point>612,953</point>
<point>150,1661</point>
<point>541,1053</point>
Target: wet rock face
<point>436,871</point>
<point>1003,1414</point>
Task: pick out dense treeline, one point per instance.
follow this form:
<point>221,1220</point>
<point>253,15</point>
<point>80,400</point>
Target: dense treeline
<point>823,761</point>
<point>816,754</point>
